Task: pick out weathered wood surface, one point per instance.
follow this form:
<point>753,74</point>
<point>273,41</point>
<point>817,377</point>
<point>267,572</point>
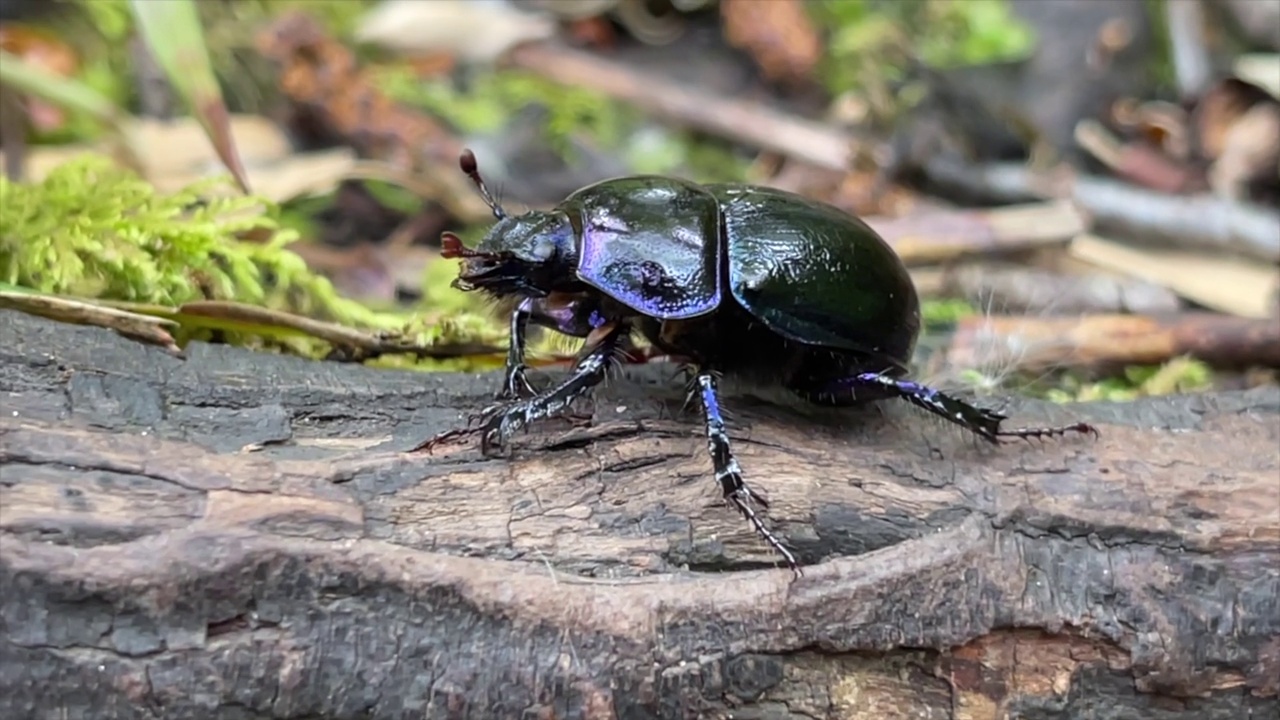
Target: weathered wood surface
<point>238,536</point>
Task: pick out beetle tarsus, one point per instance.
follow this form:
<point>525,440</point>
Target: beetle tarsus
<point>1082,428</point>
<point>727,472</point>
<point>985,423</point>
<point>476,422</point>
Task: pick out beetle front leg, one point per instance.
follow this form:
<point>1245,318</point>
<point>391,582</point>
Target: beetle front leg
<point>985,423</point>
<point>515,384</point>
<point>588,372</point>
<point>728,474</point>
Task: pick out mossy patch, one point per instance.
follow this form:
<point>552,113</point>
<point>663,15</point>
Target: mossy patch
<point>94,230</point>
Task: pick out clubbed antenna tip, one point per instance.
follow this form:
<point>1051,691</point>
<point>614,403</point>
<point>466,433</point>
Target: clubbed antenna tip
<point>467,161</point>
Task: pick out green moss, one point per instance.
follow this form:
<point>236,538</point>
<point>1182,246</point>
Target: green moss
<point>91,229</point>
<point>1179,375</point>
<point>945,311</point>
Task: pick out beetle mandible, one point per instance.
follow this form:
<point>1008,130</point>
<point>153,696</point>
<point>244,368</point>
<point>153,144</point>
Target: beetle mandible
<point>749,281</point>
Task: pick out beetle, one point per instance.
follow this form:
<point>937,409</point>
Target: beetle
<point>743,280</point>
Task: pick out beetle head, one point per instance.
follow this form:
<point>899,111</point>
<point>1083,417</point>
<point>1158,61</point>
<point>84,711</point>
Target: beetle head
<point>526,254</point>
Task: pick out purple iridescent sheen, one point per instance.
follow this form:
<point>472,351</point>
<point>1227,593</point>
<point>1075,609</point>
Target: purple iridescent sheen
<point>653,246</point>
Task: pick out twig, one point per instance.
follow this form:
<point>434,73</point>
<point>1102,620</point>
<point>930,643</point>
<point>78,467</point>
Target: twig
<point>13,128</point>
<point>1191,64</point>
<point>148,322</point>
<point>1043,292</point>
<point>365,345</point>
<point>940,236</point>
<point>147,328</point>
<point>1200,222</point>
<point>1038,344</point>
<point>1134,162</point>
<point>744,122</point>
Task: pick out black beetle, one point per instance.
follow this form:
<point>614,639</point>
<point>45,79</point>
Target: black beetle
<point>740,280</point>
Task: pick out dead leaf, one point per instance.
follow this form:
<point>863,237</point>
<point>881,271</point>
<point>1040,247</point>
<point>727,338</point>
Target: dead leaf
<point>44,50</point>
<point>1250,151</point>
<point>470,31</point>
<point>1219,108</point>
<point>778,34</point>
<point>178,154</point>
<point>1261,69</point>
<point>1138,162</point>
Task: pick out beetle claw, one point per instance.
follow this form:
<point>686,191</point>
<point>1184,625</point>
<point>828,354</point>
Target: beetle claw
<point>516,386</point>
<point>490,421</point>
<point>500,426</point>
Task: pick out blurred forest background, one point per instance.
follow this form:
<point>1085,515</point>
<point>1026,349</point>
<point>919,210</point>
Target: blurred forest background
<point>1087,193</point>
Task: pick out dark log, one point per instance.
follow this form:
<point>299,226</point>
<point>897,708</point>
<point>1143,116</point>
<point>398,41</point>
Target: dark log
<point>242,536</point>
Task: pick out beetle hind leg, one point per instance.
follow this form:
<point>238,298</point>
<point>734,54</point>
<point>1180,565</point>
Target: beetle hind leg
<point>728,474</point>
<point>984,423</point>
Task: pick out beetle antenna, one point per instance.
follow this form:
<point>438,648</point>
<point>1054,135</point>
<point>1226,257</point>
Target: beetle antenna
<point>469,166</point>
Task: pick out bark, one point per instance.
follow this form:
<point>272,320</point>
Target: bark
<point>242,536</point>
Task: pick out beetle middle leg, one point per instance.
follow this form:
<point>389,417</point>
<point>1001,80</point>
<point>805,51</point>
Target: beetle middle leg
<point>728,474</point>
<point>985,423</point>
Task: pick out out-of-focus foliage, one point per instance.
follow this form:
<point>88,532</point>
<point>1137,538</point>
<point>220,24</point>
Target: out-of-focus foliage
<point>112,18</point>
<point>494,97</point>
<point>19,75</point>
<point>230,27</point>
<point>104,68</point>
<point>228,35</point>
<point>338,16</point>
<point>871,40</point>
<point>1180,375</point>
<point>174,35</point>
<point>67,65</point>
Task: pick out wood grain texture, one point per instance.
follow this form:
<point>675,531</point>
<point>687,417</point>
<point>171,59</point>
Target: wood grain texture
<point>243,536</point>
